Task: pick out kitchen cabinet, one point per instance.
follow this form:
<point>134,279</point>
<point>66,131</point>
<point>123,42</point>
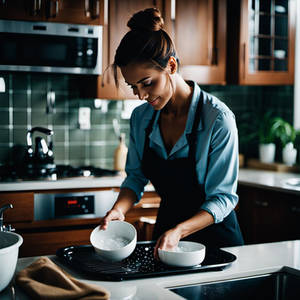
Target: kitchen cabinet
<point>268,215</point>
<point>64,11</point>
<point>197,27</point>
<point>43,237</point>
<point>261,42</point>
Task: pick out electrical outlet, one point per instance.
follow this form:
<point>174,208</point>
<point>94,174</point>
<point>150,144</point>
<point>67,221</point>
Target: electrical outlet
<point>84,117</point>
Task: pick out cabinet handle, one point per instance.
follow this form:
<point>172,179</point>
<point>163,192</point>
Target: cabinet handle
<point>244,60</point>
<point>87,8</point>
<point>295,209</point>
<point>96,9</point>
<point>36,8</point>
<point>49,8</point>
<point>262,203</point>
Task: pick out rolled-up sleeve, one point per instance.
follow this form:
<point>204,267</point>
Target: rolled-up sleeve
<point>222,169</point>
<point>135,179</point>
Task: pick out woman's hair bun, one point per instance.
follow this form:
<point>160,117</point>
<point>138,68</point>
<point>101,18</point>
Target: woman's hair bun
<point>149,19</point>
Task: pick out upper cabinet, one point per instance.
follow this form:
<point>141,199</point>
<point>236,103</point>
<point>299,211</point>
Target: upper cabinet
<point>115,27</point>
<point>265,43</point>
<point>64,11</point>
<point>198,28</point>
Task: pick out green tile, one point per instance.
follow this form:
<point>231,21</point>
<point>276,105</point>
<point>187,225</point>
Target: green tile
<point>77,153</point>
<point>60,118</point>
<point>4,99</point>
<point>78,136</point>
<point>39,100</point>
<point>19,136</point>
<point>61,101</point>
<point>20,99</point>
<point>4,135</point>
<point>4,117</point>
<point>59,153</point>
<point>20,118</point>
<point>4,154</point>
<point>97,135</point>
<point>20,81</point>
<point>59,82</point>
<point>39,82</point>
<point>38,118</point>
<point>97,152</point>
<point>58,135</point>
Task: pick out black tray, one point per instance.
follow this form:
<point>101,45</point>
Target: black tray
<point>140,264</point>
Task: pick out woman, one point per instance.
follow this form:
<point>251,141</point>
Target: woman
<point>183,140</point>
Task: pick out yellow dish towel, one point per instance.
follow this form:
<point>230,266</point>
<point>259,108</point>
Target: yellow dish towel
<point>44,280</point>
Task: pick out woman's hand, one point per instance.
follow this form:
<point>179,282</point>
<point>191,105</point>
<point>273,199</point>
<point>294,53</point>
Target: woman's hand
<point>111,215</point>
<point>168,241</point>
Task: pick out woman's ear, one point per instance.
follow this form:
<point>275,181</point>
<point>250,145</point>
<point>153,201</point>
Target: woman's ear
<point>172,65</point>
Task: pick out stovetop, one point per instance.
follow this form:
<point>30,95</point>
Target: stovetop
<point>19,173</point>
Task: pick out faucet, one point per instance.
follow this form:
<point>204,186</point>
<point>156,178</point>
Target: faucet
<point>2,226</point>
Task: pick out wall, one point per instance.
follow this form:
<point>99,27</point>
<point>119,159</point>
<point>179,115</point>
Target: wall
<point>23,106</point>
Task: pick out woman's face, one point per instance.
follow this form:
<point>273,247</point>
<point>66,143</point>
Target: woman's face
<point>148,83</point>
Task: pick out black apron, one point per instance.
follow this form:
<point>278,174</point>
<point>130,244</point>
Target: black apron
<point>181,195</point>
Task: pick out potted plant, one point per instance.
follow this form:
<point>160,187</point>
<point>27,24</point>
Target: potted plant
<point>267,136</point>
<point>286,133</point>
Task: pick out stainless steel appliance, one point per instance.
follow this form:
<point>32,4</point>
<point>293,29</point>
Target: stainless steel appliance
<point>95,204</point>
<point>50,47</point>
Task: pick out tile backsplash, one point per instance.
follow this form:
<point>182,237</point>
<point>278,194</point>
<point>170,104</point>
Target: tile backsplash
<point>24,106</point>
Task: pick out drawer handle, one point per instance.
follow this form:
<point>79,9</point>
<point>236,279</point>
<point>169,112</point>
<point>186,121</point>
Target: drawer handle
<point>262,203</point>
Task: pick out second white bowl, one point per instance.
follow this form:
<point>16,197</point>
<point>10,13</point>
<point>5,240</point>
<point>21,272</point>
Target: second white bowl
<point>115,243</point>
<point>187,254</point>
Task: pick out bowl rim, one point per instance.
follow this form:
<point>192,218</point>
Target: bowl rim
<point>16,245</point>
<point>134,240</point>
<point>203,248</point>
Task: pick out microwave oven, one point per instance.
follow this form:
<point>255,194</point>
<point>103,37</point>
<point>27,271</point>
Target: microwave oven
<point>50,47</point>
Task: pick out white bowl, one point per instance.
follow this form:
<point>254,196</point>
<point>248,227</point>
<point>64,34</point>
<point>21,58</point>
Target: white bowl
<point>9,251</point>
<point>116,242</point>
<point>187,254</point>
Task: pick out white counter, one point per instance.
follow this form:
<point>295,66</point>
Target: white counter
<point>251,177</point>
<point>251,260</point>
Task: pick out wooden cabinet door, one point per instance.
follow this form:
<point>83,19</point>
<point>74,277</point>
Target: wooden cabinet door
<point>77,12</point>
<point>266,42</point>
<point>29,10</point>
<point>119,12</point>
<point>198,28</point>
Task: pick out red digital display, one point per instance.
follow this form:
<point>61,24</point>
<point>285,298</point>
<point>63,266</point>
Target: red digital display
<point>72,202</point>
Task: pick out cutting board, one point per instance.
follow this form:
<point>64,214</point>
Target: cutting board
<point>279,167</point>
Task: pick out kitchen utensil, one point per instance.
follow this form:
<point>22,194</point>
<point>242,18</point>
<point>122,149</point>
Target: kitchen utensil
<point>140,264</point>
<point>187,254</point>
<point>40,162</point>
<point>9,251</point>
<point>116,242</point>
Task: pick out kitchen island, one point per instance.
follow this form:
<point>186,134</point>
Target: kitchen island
<point>251,260</point>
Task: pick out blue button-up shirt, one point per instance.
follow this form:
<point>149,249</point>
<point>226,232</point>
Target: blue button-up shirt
<point>216,152</point>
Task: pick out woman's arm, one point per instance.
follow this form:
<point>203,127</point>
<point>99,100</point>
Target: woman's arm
<point>169,240</point>
<point>125,201</point>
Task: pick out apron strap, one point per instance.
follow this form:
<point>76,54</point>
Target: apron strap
<point>192,139</point>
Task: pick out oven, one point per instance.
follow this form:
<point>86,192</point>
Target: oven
<point>48,206</point>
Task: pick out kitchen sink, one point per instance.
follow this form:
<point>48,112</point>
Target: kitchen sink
<point>277,286</point>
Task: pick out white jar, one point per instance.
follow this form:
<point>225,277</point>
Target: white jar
<point>267,152</point>
<point>289,154</point>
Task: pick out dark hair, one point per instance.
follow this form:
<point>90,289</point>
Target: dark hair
<point>145,42</point>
